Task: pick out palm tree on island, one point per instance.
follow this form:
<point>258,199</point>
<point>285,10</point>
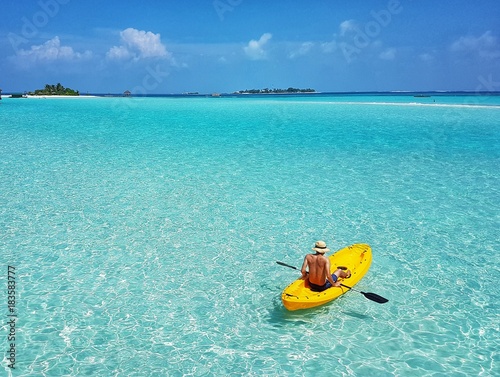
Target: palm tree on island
<point>55,90</point>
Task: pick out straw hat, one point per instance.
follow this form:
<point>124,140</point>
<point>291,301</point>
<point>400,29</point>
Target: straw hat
<point>320,247</point>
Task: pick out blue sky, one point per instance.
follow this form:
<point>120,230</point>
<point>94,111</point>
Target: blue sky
<point>170,46</point>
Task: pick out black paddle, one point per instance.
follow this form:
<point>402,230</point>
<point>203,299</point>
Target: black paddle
<point>368,295</point>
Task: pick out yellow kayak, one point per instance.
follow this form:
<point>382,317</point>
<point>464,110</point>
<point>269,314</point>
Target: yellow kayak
<point>357,258</point>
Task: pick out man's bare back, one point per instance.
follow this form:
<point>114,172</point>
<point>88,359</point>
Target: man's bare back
<point>319,269</point>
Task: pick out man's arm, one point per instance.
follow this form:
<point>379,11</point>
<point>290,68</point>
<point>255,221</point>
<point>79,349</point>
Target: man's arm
<point>328,274</point>
<point>303,269</point>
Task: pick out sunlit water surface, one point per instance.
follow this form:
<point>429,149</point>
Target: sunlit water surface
<point>145,234</point>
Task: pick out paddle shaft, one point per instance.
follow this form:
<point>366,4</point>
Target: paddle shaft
<point>287,265</point>
<point>351,288</point>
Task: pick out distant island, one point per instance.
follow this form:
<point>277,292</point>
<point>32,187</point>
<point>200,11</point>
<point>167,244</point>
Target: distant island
<point>54,90</point>
<point>275,91</point>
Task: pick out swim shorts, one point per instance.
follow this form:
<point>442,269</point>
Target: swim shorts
<point>321,288</point>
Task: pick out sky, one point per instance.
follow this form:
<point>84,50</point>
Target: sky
<point>207,46</point>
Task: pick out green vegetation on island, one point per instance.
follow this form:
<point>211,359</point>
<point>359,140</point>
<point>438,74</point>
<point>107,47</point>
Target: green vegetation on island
<point>55,90</point>
<point>275,91</point>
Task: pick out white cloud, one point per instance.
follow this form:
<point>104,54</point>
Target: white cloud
<point>147,43</point>
<point>138,44</point>
<point>486,46</point>
<point>328,47</point>
<point>255,49</point>
<point>51,51</point>
<point>302,50</point>
<point>346,26</point>
<point>118,53</point>
<point>388,54</point>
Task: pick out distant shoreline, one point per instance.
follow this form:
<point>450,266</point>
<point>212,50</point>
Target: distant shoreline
<point>435,94</point>
<point>59,96</point>
<point>316,93</point>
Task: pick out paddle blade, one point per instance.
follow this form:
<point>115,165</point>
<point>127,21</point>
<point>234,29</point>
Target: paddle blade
<point>375,297</point>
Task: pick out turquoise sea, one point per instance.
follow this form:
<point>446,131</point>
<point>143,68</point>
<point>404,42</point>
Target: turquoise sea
<point>144,234</point>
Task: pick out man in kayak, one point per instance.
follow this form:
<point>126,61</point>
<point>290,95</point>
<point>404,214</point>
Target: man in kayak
<point>319,269</point>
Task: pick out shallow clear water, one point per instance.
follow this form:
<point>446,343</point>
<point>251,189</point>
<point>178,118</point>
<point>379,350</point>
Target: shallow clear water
<point>144,233</point>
